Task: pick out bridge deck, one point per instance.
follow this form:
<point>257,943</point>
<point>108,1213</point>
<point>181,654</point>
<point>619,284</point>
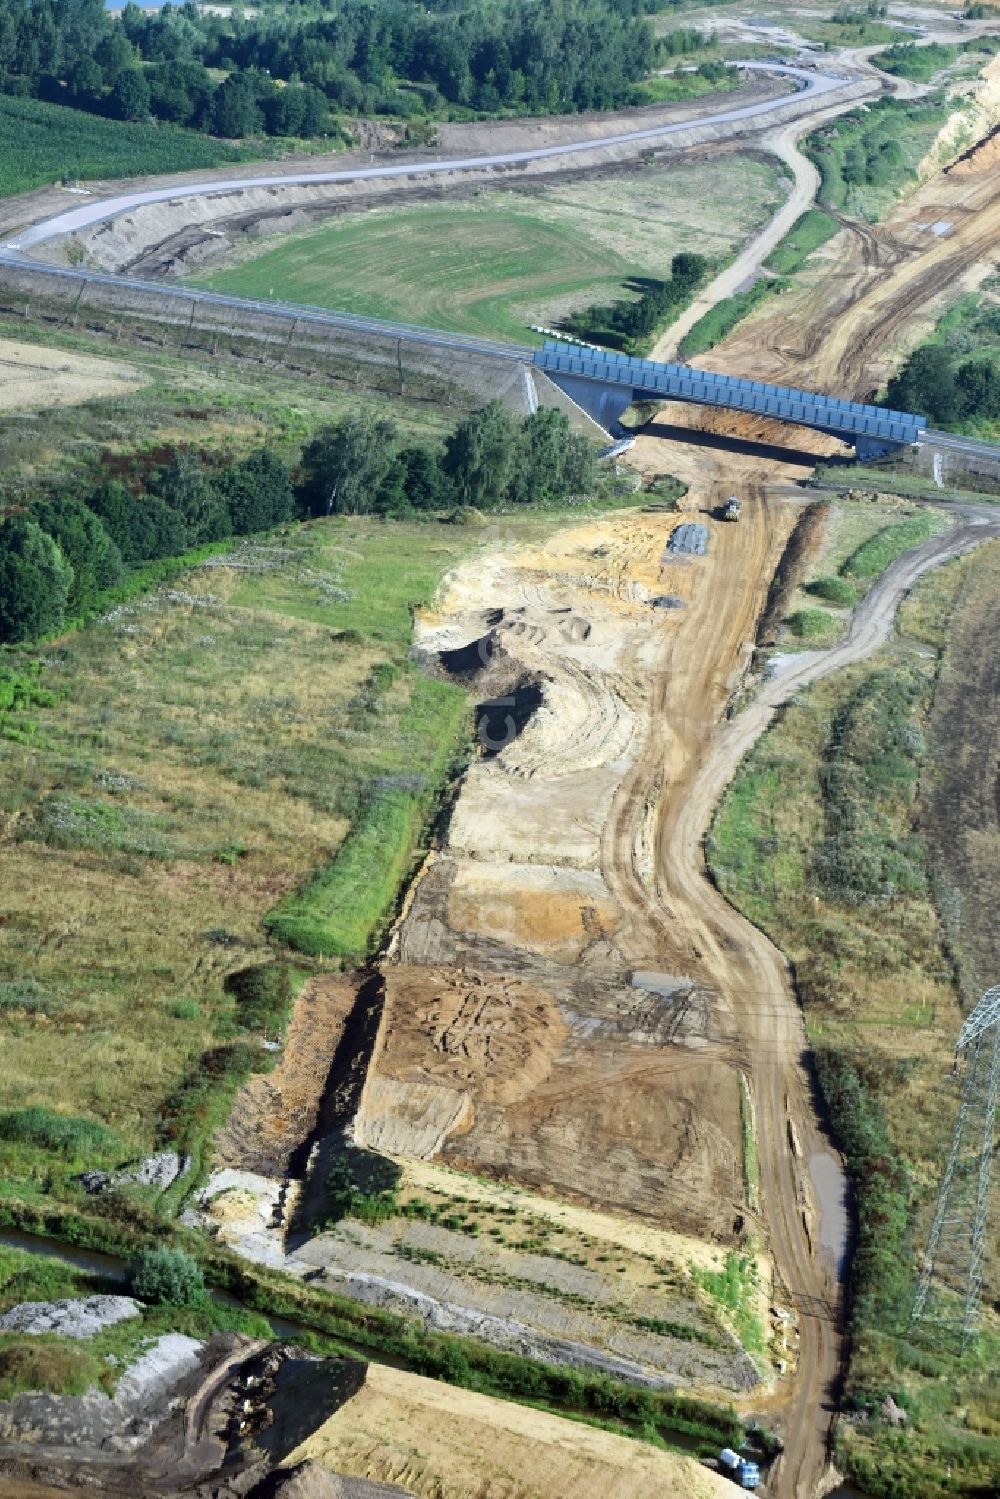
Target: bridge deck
<point>648,379</point>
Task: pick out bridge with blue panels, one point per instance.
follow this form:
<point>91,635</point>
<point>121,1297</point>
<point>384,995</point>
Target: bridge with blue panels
<point>604,384</point>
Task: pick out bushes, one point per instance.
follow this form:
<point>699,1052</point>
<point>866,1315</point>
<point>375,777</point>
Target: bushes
<point>881,1267</point>
<point>63,1134</point>
<point>360,1184</point>
<point>817,625</point>
<point>167,1277</point>
<point>836,591</point>
<point>871,768</point>
<point>867,156</point>
<point>906,60</point>
<point>264,997</point>
<point>49,1364</point>
<point>35,581</point>
<point>624,324</point>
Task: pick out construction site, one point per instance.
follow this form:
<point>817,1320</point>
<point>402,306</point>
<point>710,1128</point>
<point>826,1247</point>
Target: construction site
<point>582,1103</point>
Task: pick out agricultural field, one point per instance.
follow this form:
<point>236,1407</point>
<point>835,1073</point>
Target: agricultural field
<point>500,262</point>
<point>42,143</point>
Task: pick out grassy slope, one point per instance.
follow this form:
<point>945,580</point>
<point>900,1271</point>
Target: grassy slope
<point>209,750</point>
<point>498,263</point>
<point>42,143</point>
<point>910,125</point>
<point>877,987</point>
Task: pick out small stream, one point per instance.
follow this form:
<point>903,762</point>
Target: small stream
<point>111,1268</point>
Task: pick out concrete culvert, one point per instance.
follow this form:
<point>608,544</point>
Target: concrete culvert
<point>688,540</point>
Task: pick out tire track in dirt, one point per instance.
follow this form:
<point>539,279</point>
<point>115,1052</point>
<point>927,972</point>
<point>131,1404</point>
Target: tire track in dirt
<point>738,958</point>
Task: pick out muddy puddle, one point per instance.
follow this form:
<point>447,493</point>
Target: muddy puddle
<point>830,1186</point>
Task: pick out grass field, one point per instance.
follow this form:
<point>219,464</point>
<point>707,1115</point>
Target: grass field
<point>42,143</point>
<point>502,261</point>
<point>208,749</point>
<point>819,841</point>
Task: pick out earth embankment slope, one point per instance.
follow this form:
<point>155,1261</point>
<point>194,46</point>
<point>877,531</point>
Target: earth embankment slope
<point>443,1443</point>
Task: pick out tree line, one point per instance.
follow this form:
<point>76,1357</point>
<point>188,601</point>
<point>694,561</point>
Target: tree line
<point>285,71</point>
<point>933,383</point>
<point>62,554</point>
<point>625,323</point>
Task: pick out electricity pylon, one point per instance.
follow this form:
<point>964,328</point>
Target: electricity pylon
<point>950,1288</point>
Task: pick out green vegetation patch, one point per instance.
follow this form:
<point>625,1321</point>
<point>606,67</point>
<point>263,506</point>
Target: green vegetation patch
<point>836,591</point>
<point>42,143</point>
<point>873,556</point>
<point>720,320</point>
<point>342,909</point>
<point>817,626</point>
<point>906,60</point>
<point>812,229</point>
<point>867,157</point>
<point>62,1134</point>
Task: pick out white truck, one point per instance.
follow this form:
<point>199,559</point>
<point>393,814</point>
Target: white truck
<point>731,509</point>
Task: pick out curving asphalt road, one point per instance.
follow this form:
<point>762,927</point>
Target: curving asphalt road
<point>87,214</point>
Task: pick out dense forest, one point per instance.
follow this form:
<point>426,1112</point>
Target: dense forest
<point>281,70</point>
<point>63,555</point>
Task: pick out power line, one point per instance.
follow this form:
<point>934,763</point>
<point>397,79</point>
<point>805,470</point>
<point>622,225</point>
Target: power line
<point>949,1292</point>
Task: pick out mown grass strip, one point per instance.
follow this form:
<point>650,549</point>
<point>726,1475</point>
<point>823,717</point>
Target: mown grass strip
<point>720,320</point>
<point>810,230</point>
<point>340,911</point>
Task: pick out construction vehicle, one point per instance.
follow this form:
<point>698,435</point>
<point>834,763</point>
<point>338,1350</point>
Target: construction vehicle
<point>731,509</point>
<point>740,1469</point>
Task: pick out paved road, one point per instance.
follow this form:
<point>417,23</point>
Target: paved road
<point>96,212</point>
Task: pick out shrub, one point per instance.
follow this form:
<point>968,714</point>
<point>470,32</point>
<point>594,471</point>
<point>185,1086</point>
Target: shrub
<point>45,1364</point>
<point>167,1277</point>
<point>361,1184</point>
<point>836,591</point>
<point>811,624</point>
<point>66,1134</point>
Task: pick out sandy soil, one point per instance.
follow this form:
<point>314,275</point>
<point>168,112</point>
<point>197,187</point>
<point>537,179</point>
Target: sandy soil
<point>32,378</point>
<point>875,290</point>
<point>445,1443</point>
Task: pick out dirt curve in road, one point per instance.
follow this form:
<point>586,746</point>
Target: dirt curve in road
<point>747,967</point>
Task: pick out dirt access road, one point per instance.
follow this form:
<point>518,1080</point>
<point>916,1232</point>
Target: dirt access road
<point>874,289</point>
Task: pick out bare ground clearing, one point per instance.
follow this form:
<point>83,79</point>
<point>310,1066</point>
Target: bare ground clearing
<point>33,378</point>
